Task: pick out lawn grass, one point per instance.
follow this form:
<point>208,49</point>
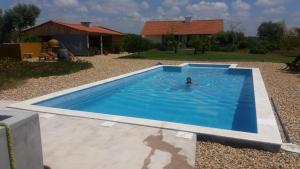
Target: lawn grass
<point>210,56</point>
<point>13,73</point>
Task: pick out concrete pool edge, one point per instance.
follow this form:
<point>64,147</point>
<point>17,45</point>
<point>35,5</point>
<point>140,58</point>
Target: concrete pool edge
<point>268,133</point>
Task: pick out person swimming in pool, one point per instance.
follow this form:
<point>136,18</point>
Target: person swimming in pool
<point>189,80</point>
<point>187,87</point>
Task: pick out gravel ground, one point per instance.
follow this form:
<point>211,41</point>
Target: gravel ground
<point>283,87</point>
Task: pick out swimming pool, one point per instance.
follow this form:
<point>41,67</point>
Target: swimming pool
<point>222,99</point>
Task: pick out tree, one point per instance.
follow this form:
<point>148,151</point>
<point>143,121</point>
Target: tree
<point>173,42</point>
<point>297,31</point>
<point>271,31</point>
<point>235,33</point>
<point>16,19</point>
<point>135,43</point>
<point>228,41</point>
<point>200,43</point>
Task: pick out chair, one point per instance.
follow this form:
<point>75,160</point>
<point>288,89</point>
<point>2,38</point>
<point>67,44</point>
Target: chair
<point>294,65</point>
<point>47,53</point>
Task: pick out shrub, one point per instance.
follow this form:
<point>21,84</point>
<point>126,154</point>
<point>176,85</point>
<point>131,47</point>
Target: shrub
<point>271,46</point>
<point>243,45</point>
<point>228,41</point>
<point>116,47</point>
<point>135,43</point>
<point>258,48</point>
<point>223,48</point>
<point>162,47</point>
<point>290,43</point>
<point>200,43</point>
<point>12,72</point>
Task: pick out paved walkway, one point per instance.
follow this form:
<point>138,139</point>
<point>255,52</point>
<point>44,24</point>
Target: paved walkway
<point>80,143</point>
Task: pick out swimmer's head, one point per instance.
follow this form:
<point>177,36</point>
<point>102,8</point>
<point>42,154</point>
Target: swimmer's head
<point>188,80</point>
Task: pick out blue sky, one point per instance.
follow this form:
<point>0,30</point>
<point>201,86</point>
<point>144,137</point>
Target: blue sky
<point>129,15</point>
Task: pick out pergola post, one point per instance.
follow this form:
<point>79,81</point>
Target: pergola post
<point>88,43</point>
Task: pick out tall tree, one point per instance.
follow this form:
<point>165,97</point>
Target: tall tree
<point>135,43</point>
<point>173,42</point>
<point>271,31</point>
<point>200,43</point>
<point>235,32</point>
<point>297,31</point>
<point>16,19</point>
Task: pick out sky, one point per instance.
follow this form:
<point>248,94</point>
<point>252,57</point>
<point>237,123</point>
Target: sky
<point>128,16</point>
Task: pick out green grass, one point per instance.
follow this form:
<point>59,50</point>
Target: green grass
<point>14,73</point>
<point>210,56</point>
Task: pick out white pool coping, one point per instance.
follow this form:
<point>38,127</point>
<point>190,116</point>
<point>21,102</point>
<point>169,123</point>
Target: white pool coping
<point>267,130</point>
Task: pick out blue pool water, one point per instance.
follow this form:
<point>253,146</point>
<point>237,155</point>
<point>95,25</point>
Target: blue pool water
<point>220,97</point>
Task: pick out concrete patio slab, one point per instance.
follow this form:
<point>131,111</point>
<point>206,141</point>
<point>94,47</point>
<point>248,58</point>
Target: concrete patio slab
<point>81,143</point>
<point>72,142</point>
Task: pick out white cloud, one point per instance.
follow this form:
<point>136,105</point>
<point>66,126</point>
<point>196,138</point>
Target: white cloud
<point>115,7</point>
<point>169,3</point>
<point>66,2</point>
<point>175,10</point>
<point>97,7</point>
<point>208,9</point>
<point>82,9</point>
<point>206,6</point>
<point>172,12</point>
<point>241,8</point>
<point>240,5</point>
<point>243,13</point>
<point>269,2</point>
<point>145,5</point>
<point>136,16</point>
<point>178,18</point>
<point>277,10</point>
<point>160,10</point>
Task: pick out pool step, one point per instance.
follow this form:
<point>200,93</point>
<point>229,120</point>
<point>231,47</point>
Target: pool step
<point>291,147</point>
<point>185,135</point>
<point>108,124</point>
<point>46,115</point>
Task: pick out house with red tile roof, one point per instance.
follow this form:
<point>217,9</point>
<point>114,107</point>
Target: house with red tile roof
<point>183,30</point>
<point>79,38</point>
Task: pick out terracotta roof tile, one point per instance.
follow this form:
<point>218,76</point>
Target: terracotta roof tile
<point>183,28</point>
<point>91,29</point>
<point>78,26</point>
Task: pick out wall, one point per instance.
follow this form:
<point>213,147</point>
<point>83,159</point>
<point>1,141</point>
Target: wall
<point>155,39</point>
<point>4,158</point>
<point>34,48</point>
<point>11,51</point>
<point>16,51</point>
<point>26,140</point>
<point>76,44</point>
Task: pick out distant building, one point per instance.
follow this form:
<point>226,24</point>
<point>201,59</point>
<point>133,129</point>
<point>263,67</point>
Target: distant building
<point>183,30</point>
<point>79,38</point>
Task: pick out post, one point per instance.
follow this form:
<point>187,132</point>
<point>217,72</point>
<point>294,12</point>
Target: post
<point>101,45</point>
<point>88,43</point>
